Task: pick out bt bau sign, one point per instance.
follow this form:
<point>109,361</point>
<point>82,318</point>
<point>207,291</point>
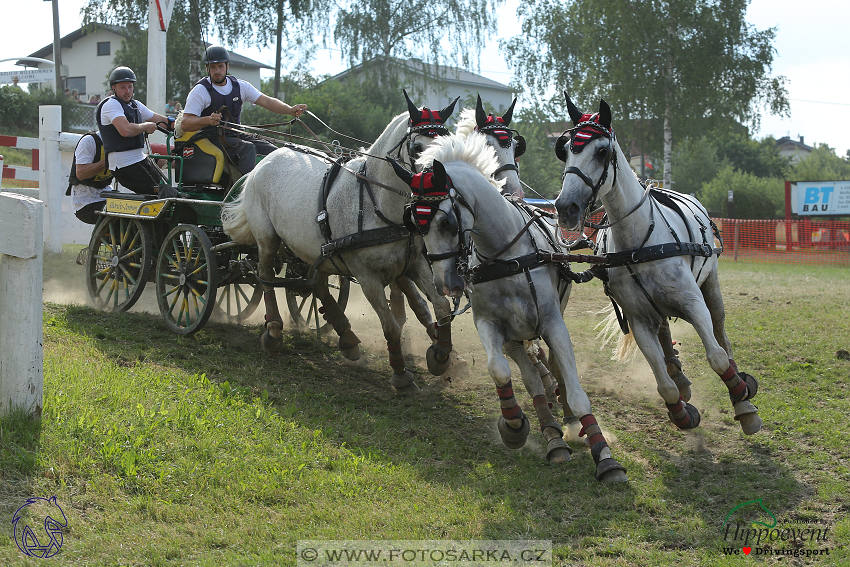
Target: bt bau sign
<point>820,198</point>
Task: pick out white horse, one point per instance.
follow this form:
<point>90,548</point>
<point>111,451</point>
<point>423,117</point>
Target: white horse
<point>506,142</point>
<point>277,211</point>
<point>514,295</point>
<point>660,246</point>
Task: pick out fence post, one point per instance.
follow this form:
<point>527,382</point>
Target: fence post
<point>50,189</point>
<point>737,237</point>
<point>21,275</point>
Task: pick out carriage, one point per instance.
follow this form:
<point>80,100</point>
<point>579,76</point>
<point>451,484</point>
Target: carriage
<point>178,244</point>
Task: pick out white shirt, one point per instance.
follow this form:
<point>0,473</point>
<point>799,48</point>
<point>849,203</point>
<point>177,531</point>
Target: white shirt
<point>111,110</point>
<point>199,97</point>
<point>82,195</point>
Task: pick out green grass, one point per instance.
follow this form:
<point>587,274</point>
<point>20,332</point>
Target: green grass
<point>168,450</point>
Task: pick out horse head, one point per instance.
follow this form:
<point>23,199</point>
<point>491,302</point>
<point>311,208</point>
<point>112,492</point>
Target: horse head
<point>508,144</point>
<point>427,123</point>
<point>588,152</point>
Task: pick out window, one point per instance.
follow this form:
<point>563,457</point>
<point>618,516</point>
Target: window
<point>76,84</point>
<point>103,48</point>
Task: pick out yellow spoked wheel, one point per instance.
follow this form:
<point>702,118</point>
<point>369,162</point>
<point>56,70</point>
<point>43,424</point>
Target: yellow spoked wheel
<point>238,299</point>
<point>303,308</point>
<point>185,279</point>
<point>118,262</point>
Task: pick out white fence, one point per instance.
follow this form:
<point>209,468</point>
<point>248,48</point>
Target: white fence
<point>54,152</point>
<point>21,271</point>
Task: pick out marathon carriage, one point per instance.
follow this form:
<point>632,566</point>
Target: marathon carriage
<point>179,245</point>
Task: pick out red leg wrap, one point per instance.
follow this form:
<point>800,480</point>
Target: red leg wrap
<point>507,401</point>
<point>681,418</point>
<point>505,392</point>
<point>592,429</point>
<point>444,335</point>
<point>396,357</point>
<point>272,313</point>
<point>737,387</point>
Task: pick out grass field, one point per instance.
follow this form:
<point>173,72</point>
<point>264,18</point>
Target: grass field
<point>168,450</point>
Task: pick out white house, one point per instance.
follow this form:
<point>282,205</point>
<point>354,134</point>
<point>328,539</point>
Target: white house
<point>793,149</point>
<point>88,53</point>
<point>441,85</point>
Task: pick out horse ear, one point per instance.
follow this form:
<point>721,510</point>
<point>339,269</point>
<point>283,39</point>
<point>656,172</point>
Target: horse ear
<point>480,115</point>
<point>415,113</point>
<point>438,181</point>
<point>604,114</point>
<point>447,111</point>
<point>401,171</point>
<point>509,114</point>
<point>575,115</point>
<point>561,147</point>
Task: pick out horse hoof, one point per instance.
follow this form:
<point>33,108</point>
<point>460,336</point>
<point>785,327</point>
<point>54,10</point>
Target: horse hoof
<point>513,438</point>
<point>557,451</point>
<point>609,471</point>
<point>351,353</point>
<point>752,384</point>
<point>271,345</point>
<point>438,360</point>
<point>404,384</point>
<point>747,414</point>
<point>410,390</point>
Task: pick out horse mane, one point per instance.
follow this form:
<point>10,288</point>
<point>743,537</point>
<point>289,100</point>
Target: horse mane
<point>466,123</point>
<point>387,140</point>
<point>472,150</point>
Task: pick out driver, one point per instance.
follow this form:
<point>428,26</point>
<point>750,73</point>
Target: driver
<point>123,123</point>
<point>222,94</point>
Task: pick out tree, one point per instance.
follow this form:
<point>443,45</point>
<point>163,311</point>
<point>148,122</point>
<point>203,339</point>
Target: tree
<point>660,64</point>
<point>755,197</point>
<point>236,21</point>
<point>413,29</point>
<point>821,165</point>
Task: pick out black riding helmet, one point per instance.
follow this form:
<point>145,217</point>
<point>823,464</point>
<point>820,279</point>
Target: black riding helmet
<point>216,54</point>
<point>121,75</point>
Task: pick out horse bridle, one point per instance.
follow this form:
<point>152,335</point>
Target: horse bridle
<point>488,129</point>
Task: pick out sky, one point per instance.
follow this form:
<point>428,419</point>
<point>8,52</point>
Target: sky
<point>811,53</point>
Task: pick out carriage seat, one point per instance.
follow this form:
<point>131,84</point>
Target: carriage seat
<point>203,161</point>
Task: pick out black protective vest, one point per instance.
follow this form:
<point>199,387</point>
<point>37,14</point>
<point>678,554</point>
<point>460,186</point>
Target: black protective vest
<point>232,100</point>
<point>101,179</point>
<point>112,138</point>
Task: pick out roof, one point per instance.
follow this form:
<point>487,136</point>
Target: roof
<point>786,141</point>
<point>445,72</point>
<point>69,39</point>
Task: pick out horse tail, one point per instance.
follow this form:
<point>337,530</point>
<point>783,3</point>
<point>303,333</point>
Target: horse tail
<point>609,328</point>
<point>235,221</point>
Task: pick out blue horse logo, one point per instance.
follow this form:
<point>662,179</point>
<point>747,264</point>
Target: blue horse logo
<point>26,538</point>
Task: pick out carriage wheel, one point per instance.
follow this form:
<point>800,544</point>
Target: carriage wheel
<point>303,308</point>
<point>185,279</point>
<point>118,262</point>
<point>237,301</point>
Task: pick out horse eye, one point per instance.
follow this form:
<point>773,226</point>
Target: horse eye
<point>602,152</point>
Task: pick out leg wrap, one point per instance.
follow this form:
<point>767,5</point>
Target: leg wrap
<point>544,414</point>
<point>508,403</point>
<point>396,357</point>
<point>737,387</point>
<point>683,415</point>
<point>272,312</point>
<point>594,435</point>
<point>444,335</point>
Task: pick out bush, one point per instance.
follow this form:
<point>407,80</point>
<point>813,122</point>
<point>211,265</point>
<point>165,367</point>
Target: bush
<point>19,109</point>
<point>755,197</point>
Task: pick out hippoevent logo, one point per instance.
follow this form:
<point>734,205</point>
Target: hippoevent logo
<point>750,528</point>
<point>37,538</point>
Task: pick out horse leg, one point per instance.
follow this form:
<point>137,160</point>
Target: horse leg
<point>513,425</point>
<point>557,450</point>
<point>349,344</point>
<point>674,365</point>
<point>417,304</point>
<point>742,386</point>
<point>402,379</point>
<point>571,421</point>
<point>268,243</point>
<point>438,356</point>
<point>397,304</point>
<point>608,470</point>
<point>537,356</point>
<point>680,412</point>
